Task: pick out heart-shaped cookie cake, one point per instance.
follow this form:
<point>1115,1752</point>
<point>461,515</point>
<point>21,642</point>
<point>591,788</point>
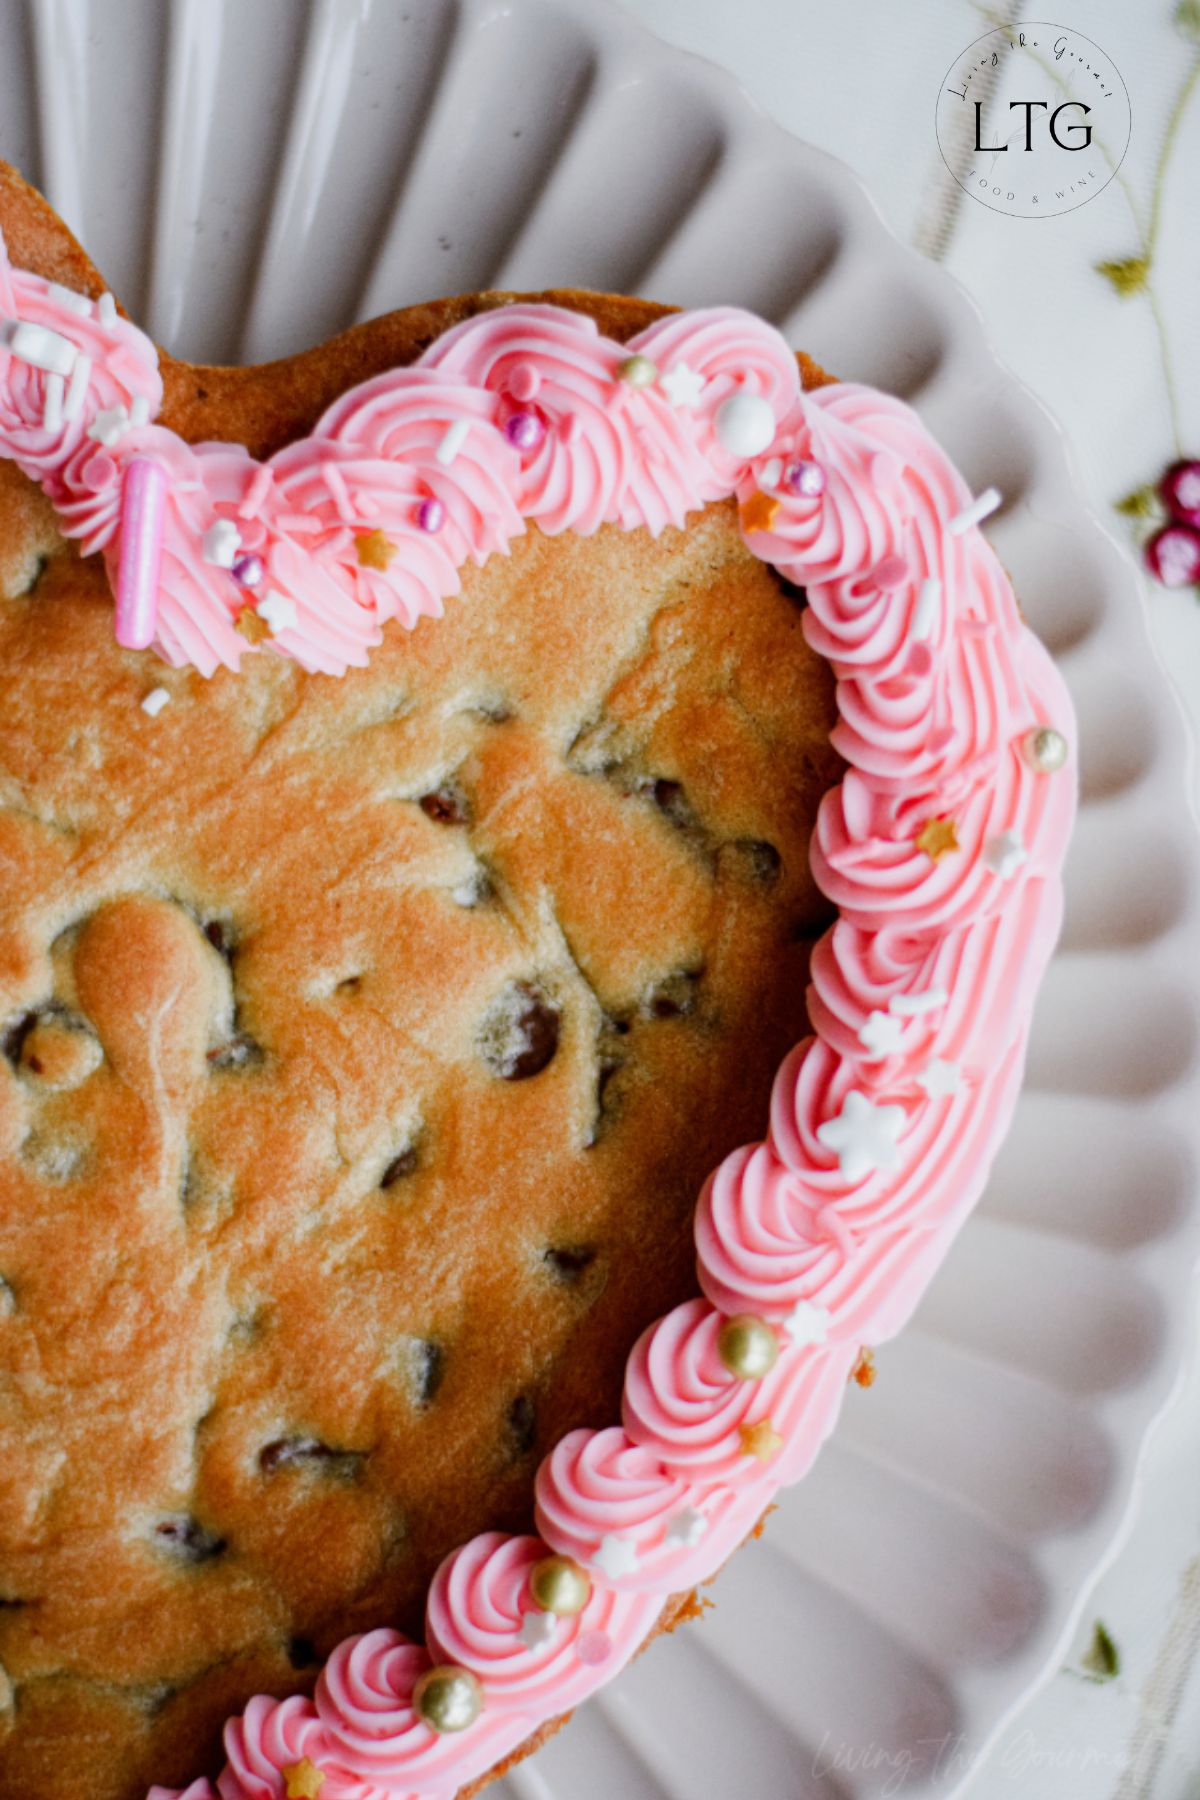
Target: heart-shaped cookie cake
<point>474,1087</point>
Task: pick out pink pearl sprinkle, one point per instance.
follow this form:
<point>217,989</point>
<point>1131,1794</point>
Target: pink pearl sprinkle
<point>524,430</point>
<point>807,478</point>
<point>890,573</point>
<point>593,1647</point>
<point>143,501</point>
<point>524,381</point>
<point>431,515</point>
<point>920,659</point>
<point>98,472</point>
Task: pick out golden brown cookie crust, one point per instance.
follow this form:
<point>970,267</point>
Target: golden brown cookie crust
<point>299,1282</point>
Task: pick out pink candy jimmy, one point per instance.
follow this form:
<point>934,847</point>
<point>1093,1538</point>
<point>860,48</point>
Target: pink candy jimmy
<point>883,1124</point>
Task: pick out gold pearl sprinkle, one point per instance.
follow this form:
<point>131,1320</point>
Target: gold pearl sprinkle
<point>559,1585</point>
<point>448,1699</point>
<point>748,1347</point>
<point>1044,749</point>
<point>638,371</point>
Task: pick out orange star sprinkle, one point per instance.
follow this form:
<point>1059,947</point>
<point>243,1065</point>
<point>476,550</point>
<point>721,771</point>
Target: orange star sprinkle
<point>938,838</point>
<point>761,1440</point>
<point>251,627</point>
<point>758,512</point>
<point>303,1780</point>
<point>864,1370</point>
<point>374,550</point>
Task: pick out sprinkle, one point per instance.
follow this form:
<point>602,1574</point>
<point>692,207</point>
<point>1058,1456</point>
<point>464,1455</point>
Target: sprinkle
<point>278,612</point>
<point>744,424</point>
<point>940,1078</point>
<point>682,385</point>
<point>759,512</point>
<point>1005,854</point>
<point>889,573</point>
<point>864,1137</point>
<point>616,1556</point>
<point>937,838</point>
<point>40,347</point>
<point>864,1370</point>
<point>453,439</point>
<point>335,481</point>
<point>374,550</point>
<point>638,371</point>
<point>250,626</point>
<point>807,1323</point>
<point>139,413</point>
<point>980,508</point>
<point>256,493</point>
<point>913,1006</point>
<point>221,543</point>
<point>143,501</point>
<point>110,425</point>
<point>155,700</point>
<point>687,1527</point>
<point>1044,749</point>
<point>524,430</point>
<point>760,1440</point>
<point>302,1780</point>
<point>248,570</point>
<point>106,310</point>
<point>771,473</point>
<point>805,477</point>
<point>537,1628</point>
<point>73,302</point>
<point>81,374</point>
<point>52,406</point>
<point>593,1647</point>
<point>431,515</point>
<point>880,1035</point>
<point>524,381</point>
<point>925,611</point>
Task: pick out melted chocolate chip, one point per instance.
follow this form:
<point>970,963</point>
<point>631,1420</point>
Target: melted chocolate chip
<point>520,1035</point>
<point>567,1262</point>
<point>751,859</point>
<point>184,1537</point>
<point>241,1052</point>
<point>522,1425</point>
<point>673,997</point>
<point>428,1368</point>
<point>306,1452</point>
<point>220,936</point>
<point>401,1165</point>
<point>15,1034</point>
<point>447,806</point>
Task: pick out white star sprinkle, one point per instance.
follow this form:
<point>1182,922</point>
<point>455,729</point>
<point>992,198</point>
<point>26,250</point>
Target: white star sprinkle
<point>940,1078</point>
<point>221,544</point>
<point>880,1035</point>
<point>682,385</point>
<point>537,1628</point>
<point>616,1556</point>
<point>155,700</point>
<point>687,1526</point>
<point>110,425</point>
<point>277,611</point>
<point>864,1136</point>
<point>807,1323</point>
<point>1005,854</point>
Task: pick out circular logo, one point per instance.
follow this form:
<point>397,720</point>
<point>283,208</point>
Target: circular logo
<point>1033,122</point>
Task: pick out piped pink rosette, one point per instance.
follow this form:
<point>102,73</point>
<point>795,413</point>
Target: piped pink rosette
<point>883,1123</point>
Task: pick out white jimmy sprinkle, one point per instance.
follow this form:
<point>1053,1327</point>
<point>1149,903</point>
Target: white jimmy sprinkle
<point>110,425</point>
<point>52,405</point>
<point>277,611</point>
<point>879,1035</point>
<point>81,374</point>
<point>864,1136</point>
<point>980,508</point>
<point>616,1556</point>
<point>76,303</point>
<point>1005,854</point>
<point>140,411</point>
<point>925,611</point>
<point>452,442</point>
<point>911,1006</point>
<point>106,310</point>
<point>807,1323</point>
<point>940,1078</point>
<point>221,543</point>
<point>155,700</point>
<point>772,473</point>
<point>682,385</point>
<point>40,347</point>
<point>537,1628</point>
<point>687,1526</point>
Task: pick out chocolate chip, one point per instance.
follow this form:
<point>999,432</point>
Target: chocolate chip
<point>349,986</point>
<point>751,859</point>
<point>241,1052</point>
<point>401,1165</point>
<point>8,1299</point>
<point>185,1537</point>
<point>522,1425</point>
<point>307,1452</point>
<point>672,997</point>
<point>15,1033</point>
<point>220,936</point>
<point>302,1653</point>
<point>447,806</point>
<point>567,1262</point>
<point>520,1035</point>
<point>428,1366</point>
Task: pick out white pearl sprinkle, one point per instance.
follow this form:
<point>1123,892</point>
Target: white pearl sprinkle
<point>865,1137</point>
<point>155,700</point>
<point>278,612</point>
<point>980,508</point>
<point>880,1035</point>
<point>616,1556</point>
<point>744,424</point>
<point>452,442</point>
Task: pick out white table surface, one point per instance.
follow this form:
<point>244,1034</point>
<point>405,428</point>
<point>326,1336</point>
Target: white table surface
<point>860,78</point>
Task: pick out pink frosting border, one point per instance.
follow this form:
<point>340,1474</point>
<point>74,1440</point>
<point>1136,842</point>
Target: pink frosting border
<point>883,1123</point>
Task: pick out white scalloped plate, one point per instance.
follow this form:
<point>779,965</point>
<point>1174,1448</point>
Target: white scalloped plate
<point>252,177</point>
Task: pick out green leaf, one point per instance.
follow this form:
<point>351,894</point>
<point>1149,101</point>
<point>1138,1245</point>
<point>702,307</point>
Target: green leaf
<point>1129,275</point>
<point>1187,19</point>
<point>1142,503</point>
<point>1101,1660</point>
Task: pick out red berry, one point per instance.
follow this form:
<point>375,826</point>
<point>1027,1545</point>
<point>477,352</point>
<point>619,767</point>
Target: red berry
<point>1180,488</point>
<point>1173,555</point>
